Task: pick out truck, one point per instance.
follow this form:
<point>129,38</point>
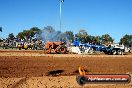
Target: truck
<point>114,49</point>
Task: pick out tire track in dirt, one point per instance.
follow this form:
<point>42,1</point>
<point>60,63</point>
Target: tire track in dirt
<point>21,83</point>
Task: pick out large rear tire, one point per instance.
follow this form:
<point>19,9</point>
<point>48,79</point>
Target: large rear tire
<point>48,51</point>
<point>63,49</point>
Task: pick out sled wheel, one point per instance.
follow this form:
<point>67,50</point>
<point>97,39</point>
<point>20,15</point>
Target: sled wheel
<point>119,52</point>
<point>114,52</point>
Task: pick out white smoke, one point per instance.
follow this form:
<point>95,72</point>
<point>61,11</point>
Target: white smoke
<point>50,36</point>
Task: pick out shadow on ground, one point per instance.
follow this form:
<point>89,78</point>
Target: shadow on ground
<point>54,73</point>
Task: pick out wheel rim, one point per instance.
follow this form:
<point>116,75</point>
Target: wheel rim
<point>62,49</point>
<point>114,52</point>
<point>48,51</point>
<point>119,52</point>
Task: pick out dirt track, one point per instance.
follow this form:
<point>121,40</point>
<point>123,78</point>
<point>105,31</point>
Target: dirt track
<point>17,65</point>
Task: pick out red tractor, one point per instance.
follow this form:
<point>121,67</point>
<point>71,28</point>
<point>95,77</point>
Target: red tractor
<point>55,47</point>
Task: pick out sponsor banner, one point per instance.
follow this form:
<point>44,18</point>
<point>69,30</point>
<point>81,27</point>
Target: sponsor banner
<point>103,78</point>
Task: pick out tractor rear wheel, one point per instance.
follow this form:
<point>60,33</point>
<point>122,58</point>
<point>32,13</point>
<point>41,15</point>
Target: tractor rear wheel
<point>48,51</point>
<point>62,49</point>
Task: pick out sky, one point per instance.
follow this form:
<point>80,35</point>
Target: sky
<point>97,17</point>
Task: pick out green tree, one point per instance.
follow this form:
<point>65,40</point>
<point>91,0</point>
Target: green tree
<point>93,39</point>
<point>69,35</point>
<point>89,39</point>
<point>26,34</point>
<point>106,39</point>
<point>34,31</point>
<point>11,36</point>
<point>126,40</point>
<point>1,40</point>
<point>0,29</point>
<point>96,39</point>
<point>82,35</point>
<point>48,34</point>
<point>49,29</point>
<point>20,35</point>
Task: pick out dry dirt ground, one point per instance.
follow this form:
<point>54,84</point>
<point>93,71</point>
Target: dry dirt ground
<point>34,69</point>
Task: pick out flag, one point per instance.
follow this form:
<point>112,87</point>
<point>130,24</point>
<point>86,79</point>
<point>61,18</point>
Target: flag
<point>62,0</point>
<point>1,29</point>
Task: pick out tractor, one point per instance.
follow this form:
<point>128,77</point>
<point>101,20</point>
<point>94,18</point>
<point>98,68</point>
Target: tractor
<point>114,49</point>
<point>55,47</point>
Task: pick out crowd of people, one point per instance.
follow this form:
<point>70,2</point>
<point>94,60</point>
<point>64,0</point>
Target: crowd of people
<point>18,43</point>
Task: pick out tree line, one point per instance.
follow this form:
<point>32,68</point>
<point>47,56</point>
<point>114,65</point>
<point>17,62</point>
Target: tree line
<point>51,34</point>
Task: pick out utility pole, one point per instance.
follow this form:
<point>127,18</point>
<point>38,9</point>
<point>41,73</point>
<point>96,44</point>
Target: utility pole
<point>61,1</point>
